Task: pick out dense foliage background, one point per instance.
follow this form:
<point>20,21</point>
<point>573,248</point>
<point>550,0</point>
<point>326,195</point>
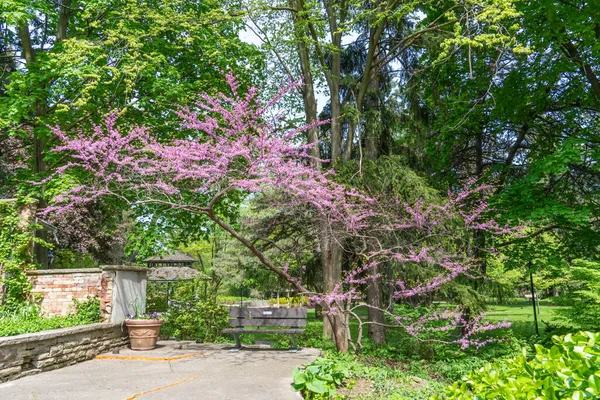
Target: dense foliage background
<point>420,99</point>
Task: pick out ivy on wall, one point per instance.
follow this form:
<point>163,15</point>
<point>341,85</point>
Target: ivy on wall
<point>16,238</point>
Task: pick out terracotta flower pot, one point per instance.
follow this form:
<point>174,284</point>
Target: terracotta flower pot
<point>143,333</point>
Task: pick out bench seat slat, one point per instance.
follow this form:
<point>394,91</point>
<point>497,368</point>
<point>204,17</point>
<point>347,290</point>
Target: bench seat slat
<point>267,322</point>
<point>283,331</point>
<point>267,312</point>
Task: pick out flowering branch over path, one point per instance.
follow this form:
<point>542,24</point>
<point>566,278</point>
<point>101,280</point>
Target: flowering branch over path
<point>230,148</point>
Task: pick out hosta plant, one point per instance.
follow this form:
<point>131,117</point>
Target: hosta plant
<point>570,369</point>
<point>319,377</point>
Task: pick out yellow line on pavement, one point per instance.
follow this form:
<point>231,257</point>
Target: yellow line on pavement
<point>139,358</point>
<point>162,387</point>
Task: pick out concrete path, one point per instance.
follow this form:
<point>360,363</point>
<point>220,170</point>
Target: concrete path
<point>175,370</point>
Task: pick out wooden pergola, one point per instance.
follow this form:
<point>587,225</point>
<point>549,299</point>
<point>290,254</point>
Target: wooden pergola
<point>174,267</point>
<point>174,259</point>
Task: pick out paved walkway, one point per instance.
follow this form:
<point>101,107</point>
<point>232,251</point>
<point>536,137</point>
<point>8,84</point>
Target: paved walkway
<point>175,370</point>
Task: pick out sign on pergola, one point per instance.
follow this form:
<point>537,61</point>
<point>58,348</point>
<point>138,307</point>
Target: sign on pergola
<point>172,274</point>
<point>173,267</point>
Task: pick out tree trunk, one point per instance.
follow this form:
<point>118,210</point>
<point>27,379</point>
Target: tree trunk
<point>336,126</point>
<point>28,51</point>
<point>373,125</point>
<point>308,89</point>
<point>372,118</point>
<point>63,20</point>
<point>370,80</point>
<point>335,18</point>
<point>334,322</point>
<point>375,314</point>
<point>40,252</point>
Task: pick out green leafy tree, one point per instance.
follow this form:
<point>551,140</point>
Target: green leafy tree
<point>69,62</point>
<point>525,122</point>
<point>16,237</point>
<point>583,298</point>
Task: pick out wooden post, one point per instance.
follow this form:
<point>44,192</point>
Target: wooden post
<point>537,331</point>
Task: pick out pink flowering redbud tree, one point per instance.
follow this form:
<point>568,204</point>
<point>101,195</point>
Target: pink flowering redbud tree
<point>431,237</point>
<point>230,146</point>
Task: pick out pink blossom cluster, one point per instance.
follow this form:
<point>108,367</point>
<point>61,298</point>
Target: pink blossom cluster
<point>230,147</point>
<point>452,320</point>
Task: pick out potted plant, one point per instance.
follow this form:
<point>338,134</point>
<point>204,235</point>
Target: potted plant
<point>143,329</point>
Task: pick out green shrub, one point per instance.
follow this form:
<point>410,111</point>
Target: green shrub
<point>88,311</point>
<point>194,311</point>
<point>200,320</point>
<point>14,325</point>
<point>297,301</point>
<point>26,318</point>
<point>67,258</point>
<point>570,369</point>
<point>234,299</point>
<point>156,296</point>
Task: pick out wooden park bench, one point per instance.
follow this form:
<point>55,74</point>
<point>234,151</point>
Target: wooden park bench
<point>285,321</point>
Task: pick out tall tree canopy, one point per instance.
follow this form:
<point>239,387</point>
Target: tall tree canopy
<point>71,62</point>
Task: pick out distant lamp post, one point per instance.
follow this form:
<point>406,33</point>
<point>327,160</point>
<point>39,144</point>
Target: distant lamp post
<point>51,258</point>
<point>537,330</point>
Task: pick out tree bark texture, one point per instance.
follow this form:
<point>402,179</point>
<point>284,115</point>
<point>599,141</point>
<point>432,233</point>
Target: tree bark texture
<point>334,322</point>
<point>308,90</point>
<point>376,330</point>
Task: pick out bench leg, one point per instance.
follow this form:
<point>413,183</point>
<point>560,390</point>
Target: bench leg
<point>294,349</point>
<point>238,345</point>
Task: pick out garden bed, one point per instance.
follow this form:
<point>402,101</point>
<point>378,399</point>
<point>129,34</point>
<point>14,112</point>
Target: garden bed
<point>11,326</point>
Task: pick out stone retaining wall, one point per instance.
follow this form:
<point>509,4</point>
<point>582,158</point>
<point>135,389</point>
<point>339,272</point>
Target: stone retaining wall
<point>33,353</point>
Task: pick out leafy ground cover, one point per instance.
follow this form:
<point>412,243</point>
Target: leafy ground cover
<point>16,325</point>
<point>28,319</point>
<point>404,368</point>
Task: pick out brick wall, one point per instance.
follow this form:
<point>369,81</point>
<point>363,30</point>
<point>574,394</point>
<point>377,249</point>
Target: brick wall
<point>59,287</point>
<point>33,353</point>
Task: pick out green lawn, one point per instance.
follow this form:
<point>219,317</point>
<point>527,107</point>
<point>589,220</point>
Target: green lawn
<point>520,313</point>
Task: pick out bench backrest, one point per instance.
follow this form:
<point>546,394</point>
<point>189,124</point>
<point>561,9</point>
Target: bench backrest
<point>266,316</point>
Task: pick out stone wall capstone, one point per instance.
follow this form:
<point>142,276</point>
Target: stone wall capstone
<point>33,353</point>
